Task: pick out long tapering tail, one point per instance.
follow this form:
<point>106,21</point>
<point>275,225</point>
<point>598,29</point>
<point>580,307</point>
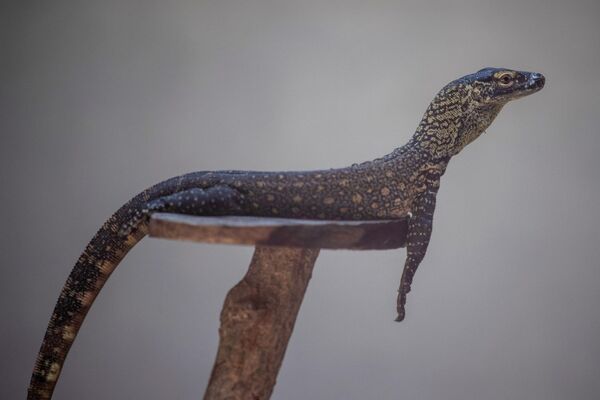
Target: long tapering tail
<point>99,259</point>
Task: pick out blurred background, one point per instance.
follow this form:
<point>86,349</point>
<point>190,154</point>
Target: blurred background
<point>99,100</point>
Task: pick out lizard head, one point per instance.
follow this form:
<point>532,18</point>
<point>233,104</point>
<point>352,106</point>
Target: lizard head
<point>464,108</point>
<point>490,86</point>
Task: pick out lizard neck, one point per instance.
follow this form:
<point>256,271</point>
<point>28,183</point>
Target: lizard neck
<point>414,156</point>
<point>455,118</point>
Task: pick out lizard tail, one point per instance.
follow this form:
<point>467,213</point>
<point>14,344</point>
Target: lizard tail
<point>108,247</point>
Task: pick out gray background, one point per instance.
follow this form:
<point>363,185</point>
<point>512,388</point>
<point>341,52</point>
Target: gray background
<point>101,99</point>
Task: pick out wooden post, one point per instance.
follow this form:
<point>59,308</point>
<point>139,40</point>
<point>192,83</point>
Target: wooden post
<point>259,313</point>
<point>257,321</point>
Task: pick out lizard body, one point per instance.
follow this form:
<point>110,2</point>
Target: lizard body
<point>402,184</point>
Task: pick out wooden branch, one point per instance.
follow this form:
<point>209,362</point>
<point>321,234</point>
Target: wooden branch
<point>353,235</point>
<point>257,321</point>
<point>259,313</point>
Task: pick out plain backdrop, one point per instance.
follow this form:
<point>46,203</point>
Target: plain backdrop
<point>100,99</point>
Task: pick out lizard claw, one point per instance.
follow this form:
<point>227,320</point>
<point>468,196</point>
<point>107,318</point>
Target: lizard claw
<point>401,315</point>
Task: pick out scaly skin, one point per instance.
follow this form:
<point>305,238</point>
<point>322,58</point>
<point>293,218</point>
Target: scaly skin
<point>402,184</point>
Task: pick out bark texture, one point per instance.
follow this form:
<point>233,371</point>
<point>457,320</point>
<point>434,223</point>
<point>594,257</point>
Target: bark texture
<point>257,321</point>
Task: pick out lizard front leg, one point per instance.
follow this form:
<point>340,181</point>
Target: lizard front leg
<point>419,233</point>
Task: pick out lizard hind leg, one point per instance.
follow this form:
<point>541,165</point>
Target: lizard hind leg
<point>215,200</point>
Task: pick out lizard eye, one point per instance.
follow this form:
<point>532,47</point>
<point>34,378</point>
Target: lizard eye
<point>505,80</point>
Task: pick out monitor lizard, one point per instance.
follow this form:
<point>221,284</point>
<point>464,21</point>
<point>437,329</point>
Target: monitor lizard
<point>402,184</point>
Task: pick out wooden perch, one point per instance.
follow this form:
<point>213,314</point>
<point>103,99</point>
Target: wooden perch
<point>352,235</point>
<point>259,313</point>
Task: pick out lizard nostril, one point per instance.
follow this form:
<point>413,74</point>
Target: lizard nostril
<point>537,79</point>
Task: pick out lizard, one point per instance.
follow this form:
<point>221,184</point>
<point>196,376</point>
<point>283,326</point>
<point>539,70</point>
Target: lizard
<point>401,184</point>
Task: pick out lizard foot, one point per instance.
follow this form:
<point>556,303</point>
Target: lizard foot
<point>401,301</point>
<point>400,316</point>
<point>141,216</point>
